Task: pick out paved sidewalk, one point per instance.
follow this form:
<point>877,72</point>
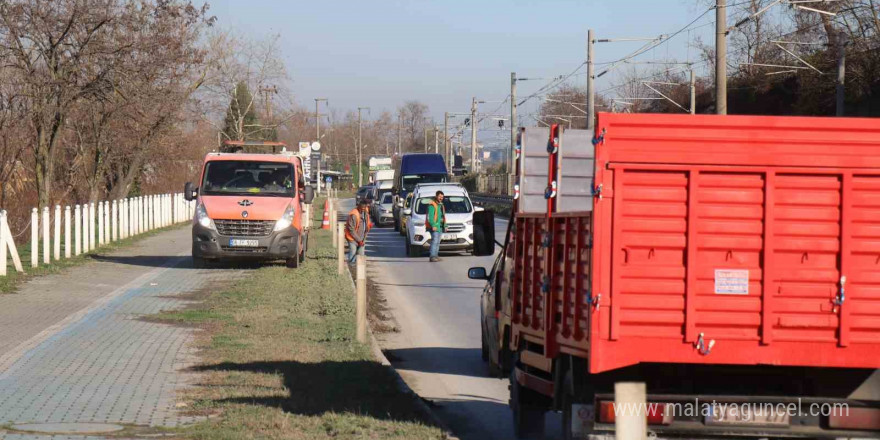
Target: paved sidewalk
<point>74,350</point>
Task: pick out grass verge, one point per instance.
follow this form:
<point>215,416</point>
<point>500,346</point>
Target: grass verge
<point>13,279</point>
<point>279,360</point>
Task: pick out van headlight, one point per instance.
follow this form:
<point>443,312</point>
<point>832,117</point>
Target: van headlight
<point>203,219</point>
<point>286,219</point>
<point>469,222</point>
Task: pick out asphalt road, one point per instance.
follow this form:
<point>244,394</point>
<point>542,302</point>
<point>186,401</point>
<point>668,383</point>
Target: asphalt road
<point>437,349</point>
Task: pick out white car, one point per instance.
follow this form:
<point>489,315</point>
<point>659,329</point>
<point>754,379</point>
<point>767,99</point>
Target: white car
<point>459,234</point>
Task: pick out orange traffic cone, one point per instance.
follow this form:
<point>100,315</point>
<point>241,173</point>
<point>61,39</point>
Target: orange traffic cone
<point>325,224</point>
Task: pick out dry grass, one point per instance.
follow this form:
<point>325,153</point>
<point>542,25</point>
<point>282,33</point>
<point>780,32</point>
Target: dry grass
<point>279,361</point>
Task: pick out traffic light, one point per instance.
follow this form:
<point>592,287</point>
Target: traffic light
<point>467,122</point>
<point>501,123</point>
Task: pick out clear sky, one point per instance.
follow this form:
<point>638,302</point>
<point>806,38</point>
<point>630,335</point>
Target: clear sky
<point>380,53</point>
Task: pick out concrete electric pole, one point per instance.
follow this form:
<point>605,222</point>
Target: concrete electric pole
<point>693,93</point>
<point>446,142</point>
<point>721,57</point>
<point>360,148</point>
<point>510,154</point>
<point>591,91</point>
<point>436,141</point>
<point>841,72</point>
<point>474,135</point>
<point>318,118</point>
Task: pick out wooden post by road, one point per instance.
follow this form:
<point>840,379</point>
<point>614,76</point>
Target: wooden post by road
<point>340,252</point>
<point>361,298</point>
<point>333,223</point>
<point>631,422</point>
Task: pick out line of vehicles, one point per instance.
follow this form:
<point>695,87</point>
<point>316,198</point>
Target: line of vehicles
<point>400,198</point>
<point>729,263</point>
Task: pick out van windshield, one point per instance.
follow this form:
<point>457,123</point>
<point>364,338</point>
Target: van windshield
<point>410,181</point>
<point>239,177</point>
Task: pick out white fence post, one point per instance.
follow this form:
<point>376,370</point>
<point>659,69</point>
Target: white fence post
<point>114,225</point>
<point>35,242</point>
<point>10,242</point>
<point>139,213</point>
<point>77,224</point>
<point>67,231</point>
<point>91,226</point>
<point>106,222</point>
<point>47,237</point>
<point>85,227</point>
<point>153,212</point>
<point>100,224</point>
<point>57,233</point>
<point>3,239</point>
<point>123,218</point>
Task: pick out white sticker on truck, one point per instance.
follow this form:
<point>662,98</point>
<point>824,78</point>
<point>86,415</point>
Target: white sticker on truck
<point>732,281</point>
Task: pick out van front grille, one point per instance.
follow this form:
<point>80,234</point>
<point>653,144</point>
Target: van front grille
<point>245,228</point>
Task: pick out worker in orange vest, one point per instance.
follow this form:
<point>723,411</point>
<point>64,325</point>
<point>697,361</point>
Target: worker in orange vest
<point>356,228</point>
<point>435,223</point>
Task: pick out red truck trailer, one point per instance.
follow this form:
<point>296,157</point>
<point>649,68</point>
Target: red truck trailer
<point>731,263</point>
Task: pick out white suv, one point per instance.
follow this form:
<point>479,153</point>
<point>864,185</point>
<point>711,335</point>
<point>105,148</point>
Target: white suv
<point>459,234</point>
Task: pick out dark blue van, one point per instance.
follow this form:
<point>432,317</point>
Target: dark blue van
<point>412,169</point>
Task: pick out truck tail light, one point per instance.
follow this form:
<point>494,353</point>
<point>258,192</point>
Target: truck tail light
<point>657,413</point>
<point>855,418</point>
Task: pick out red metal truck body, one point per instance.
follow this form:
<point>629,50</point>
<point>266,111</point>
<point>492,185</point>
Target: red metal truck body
<point>731,257</point>
<point>739,229</point>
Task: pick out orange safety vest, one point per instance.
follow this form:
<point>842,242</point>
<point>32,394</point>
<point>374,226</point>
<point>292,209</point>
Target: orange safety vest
<point>357,216</point>
<point>436,211</point>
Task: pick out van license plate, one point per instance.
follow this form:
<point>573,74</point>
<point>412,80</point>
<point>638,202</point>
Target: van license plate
<point>237,242</point>
<point>743,414</point>
<point>448,237</point>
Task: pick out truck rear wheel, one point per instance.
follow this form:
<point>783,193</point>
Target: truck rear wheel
<point>528,413</point>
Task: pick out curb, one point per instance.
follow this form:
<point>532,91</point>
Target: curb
<point>402,386</point>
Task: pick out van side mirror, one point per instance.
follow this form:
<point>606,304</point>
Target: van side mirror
<point>308,194</point>
<point>478,273</point>
<point>190,191</point>
<point>484,233</point>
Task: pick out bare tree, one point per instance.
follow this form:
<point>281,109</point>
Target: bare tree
<point>413,115</point>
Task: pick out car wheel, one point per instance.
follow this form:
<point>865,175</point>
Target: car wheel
<point>528,418</point>
<point>199,263</point>
<point>293,262</point>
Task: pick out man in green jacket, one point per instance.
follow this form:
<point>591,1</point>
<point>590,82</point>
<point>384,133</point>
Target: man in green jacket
<point>435,223</point>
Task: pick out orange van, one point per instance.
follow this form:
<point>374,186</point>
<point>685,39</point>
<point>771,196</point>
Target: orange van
<point>250,205</point>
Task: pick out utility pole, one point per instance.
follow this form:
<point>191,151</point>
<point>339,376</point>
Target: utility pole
<point>721,57</point>
<point>360,148</point>
<point>267,92</point>
<point>841,71</point>
<point>446,141</point>
<point>425,143</point>
<point>591,90</point>
<point>474,135</point>
<point>510,154</point>
<point>318,118</point>
<point>436,140</point>
<point>399,128</point>
<point>693,93</point>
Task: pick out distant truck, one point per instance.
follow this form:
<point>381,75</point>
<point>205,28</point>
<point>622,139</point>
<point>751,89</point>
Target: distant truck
<point>250,204</point>
<point>730,263</point>
<point>413,169</point>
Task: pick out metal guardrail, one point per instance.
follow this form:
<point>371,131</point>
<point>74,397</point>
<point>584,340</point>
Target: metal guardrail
<point>498,199</point>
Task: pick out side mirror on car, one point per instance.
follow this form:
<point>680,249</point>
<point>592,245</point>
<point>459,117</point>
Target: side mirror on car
<point>308,194</point>
<point>190,191</point>
<point>478,273</point>
<point>484,233</point>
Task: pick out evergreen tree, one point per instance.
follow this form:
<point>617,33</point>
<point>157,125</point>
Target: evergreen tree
<point>241,117</point>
